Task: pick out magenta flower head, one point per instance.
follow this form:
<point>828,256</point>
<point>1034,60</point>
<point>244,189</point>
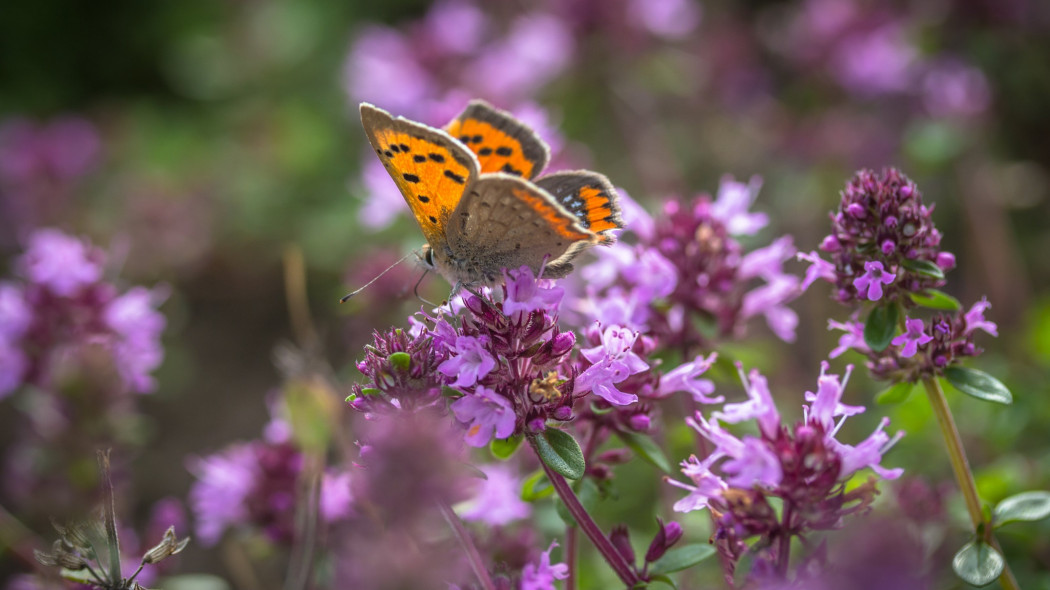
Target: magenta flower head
<point>883,244</point>
<point>612,362</point>
<point>803,466</point>
<point>689,268</point>
<point>63,312</point>
<point>928,347</point>
<point>403,371</point>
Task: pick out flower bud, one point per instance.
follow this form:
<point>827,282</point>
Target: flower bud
<point>620,539</point>
<point>665,538</point>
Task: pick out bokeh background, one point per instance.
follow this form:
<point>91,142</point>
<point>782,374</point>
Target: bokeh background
<point>209,146</point>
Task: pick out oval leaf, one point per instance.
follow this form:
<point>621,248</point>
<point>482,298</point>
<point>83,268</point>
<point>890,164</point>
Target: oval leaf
<point>560,451</point>
<point>924,267</point>
<point>536,487</point>
<point>1026,506</point>
<point>680,558</point>
<point>978,384</point>
<point>881,327</point>
<point>503,448</point>
<point>934,299</point>
<point>647,449</point>
<point>978,564</point>
<point>896,394</point>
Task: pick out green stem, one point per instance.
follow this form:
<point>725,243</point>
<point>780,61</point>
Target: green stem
<point>963,474</point>
<point>110,509</point>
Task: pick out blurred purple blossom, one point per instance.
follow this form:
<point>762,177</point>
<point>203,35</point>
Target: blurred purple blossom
<point>497,500</point>
<point>59,262</point>
<point>951,87</point>
<point>541,576</point>
<point>64,311</point>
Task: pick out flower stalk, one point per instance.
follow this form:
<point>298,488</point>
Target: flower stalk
<point>963,474</point>
<point>588,526</point>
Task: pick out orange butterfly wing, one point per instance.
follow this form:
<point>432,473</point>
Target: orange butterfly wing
<point>432,170</point>
<point>501,142</point>
<point>589,196</point>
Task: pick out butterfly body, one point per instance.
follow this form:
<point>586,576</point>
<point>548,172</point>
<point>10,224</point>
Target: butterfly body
<point>469,187</point>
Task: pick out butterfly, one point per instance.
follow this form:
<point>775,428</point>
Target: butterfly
<point>470,187</point>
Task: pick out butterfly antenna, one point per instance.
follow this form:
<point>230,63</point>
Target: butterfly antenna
<point>415,290</point>
<point>348,296</point>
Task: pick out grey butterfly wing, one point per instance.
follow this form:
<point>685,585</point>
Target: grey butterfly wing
<point>506,222</point>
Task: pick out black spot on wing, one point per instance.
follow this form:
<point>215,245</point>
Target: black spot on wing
<point>511,170</point>
<point>419,159</point>
<point>504,151</point>
<point>485,151</point>
<point>436,158</point>
<point>455,177</point>
<point>410,177</point>
<point>423,199</point>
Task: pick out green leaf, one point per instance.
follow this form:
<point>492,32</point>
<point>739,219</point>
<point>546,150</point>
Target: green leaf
<point>934,299</point>
<point>978,384</point>
<point>400,360</point>
<point>977,563</point>
<point>560,451</point>
<point>895,394</point>
<point>924,267</point>
<point>1026,506</point>
<point>587,493</point>
<point>79,576</point>
<point>881,327</point>
<point>663,580</point>
<point>536,487</point>
<point>680,558</point>
<point>503,448</point>
<point>647,449</point>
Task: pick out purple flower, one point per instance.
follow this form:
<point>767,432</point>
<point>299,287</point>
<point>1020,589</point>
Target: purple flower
<point>768,262</point>
<point>383,201</point>
<point>13,365</point>
<point>732,204</point>
<point>454,26</point>
<point>525,294</point>
<point>15,314</point>
<point>686,377</point>
<point>541,576</point>
<point>853,337</point>
<point>218,498</point>
<point>826,403</point>
<point>872,280</point>
<point>975,319</point>
<point>470,363</point>
<point>61,263</point>
<point>498,499</point>
<point>913,337</point>
<point>383,69</point>
<point>818,269</point>
<point>337,498</point>
<point>613,362</point>
<point>770,300</point>
<point>875,62</point>
<point>706,484</point>
<point>138,327</point>
<point>671,19</point>
<point>536,49</point>
<point>488,413</point>
<point>953,88</point>
<point>63,149</point>
<point>868,453</point>
<point>759,406</point>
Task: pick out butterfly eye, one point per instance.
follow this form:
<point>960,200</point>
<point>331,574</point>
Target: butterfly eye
<point>428,256</point>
